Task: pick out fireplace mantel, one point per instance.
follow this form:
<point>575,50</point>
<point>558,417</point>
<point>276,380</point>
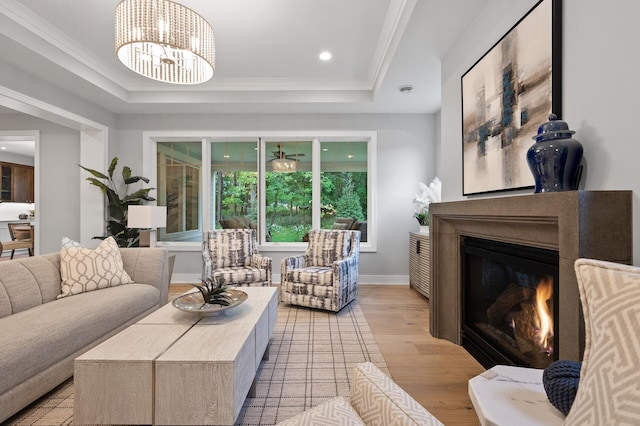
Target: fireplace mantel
<point>578,224</point>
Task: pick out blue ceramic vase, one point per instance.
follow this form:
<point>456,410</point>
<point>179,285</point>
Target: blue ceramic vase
<point>555,158</point>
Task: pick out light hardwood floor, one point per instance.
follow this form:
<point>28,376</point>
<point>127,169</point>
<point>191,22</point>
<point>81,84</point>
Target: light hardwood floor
<point>435,372</point>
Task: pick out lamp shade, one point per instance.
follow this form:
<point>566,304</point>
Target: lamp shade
<point>284,165</point>
<point>147,217</point>
<point>165,41</point>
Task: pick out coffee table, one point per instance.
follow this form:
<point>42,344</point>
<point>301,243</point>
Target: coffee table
<point>175,368</point>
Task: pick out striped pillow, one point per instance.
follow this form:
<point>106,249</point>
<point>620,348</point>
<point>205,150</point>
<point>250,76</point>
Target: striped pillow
<point>609,388</point>
<point>84,269</point>
<point>325,247</point>
<point>231,248</point>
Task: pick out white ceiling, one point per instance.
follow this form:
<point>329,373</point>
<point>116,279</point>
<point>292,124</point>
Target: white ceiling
<point>266,54</point>
<point>17,145</point>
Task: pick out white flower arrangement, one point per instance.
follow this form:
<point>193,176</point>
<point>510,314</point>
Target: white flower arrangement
<point>428,194</point>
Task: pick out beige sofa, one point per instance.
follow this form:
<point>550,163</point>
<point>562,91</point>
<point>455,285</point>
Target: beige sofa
<point>375,400</point>
<point>40,335</point>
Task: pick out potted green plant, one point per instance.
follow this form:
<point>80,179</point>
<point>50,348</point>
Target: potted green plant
<point>118,205</point>
<point>214,292</point>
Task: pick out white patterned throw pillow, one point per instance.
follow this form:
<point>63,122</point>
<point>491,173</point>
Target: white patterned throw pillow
<point>334,412</point>
<point>380,401</point>
<point>84,269</point>
<point>609,387</point>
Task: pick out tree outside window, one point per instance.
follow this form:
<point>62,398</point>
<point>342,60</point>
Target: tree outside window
<point>344,186</point>
<point>288,192</point>
<point>234,184</point>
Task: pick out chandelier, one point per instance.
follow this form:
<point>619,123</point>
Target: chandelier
<point>164,41</point>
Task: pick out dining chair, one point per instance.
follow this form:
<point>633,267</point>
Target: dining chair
<point>21,238</point>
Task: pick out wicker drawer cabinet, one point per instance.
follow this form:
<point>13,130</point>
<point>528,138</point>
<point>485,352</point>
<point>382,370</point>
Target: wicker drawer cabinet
<point>419,263</point>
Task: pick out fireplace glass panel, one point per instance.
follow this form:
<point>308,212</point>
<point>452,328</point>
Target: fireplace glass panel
<point>509,303</point>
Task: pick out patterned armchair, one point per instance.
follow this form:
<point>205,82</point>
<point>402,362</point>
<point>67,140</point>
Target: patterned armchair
<point>232,254</point>
<point>326,276</point>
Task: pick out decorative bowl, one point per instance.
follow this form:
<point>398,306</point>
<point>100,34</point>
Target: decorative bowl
<point>192,302</point>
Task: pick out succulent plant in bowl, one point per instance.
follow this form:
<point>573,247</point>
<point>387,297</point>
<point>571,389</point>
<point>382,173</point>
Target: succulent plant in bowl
<point>214,292</point>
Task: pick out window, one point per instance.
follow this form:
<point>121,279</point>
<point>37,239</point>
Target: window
<point>234,184</point>
<point>288,190</point>
<point>344,186</point>
<point>280,184</point>
<point>178,176</point>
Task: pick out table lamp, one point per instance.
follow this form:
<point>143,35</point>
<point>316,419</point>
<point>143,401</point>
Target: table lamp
<point>147,218</point>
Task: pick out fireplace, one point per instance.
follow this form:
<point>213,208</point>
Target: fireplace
<point>575,224</point>
<point>508,303</point>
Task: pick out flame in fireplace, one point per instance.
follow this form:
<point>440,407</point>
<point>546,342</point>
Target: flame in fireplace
<point>544,292</point>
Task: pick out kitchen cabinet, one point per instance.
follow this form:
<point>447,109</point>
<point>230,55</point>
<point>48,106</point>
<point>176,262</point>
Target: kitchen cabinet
<point>17,183</point>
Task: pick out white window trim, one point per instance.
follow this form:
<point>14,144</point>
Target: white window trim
<point>149,168</point>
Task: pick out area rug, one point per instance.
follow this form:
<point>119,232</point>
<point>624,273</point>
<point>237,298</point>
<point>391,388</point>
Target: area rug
<point>311,358</point>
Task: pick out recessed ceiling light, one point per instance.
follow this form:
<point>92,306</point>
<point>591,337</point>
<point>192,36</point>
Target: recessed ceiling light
<point>350,156</point>
<point>325,56</point>
<point>406,89</point>
<point>3,147</point>
<point>325,149</point>
<point>226,156</point>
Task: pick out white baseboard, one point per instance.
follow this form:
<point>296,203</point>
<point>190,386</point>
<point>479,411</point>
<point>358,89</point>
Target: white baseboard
<point>363,279</point>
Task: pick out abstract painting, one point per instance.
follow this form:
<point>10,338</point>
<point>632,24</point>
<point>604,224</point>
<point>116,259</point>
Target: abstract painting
<point>506,95</point>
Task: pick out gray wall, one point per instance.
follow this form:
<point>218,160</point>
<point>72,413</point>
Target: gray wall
<point>405,157</point>
<point>599,85</point>
<point>405,147</point>
<point>437,151</point>
<point>58,210</point>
